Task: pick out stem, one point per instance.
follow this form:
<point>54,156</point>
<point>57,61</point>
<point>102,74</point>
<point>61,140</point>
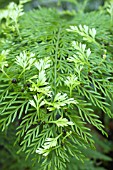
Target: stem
<point>17,29</point>
<point>94,41</point>
<point>24,77</point>
<point>38,109</point>
<point>112,19</point>
<point>56,57</point>
<point>71,91</point>
<point>23,71</point>
<point>5,73</point>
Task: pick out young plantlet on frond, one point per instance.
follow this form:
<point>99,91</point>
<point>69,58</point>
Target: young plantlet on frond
<point>3,61</point>
<point>25,60</point>
<point>49,145</point>
<point>60,100</point>
<point>87,33</point>
<point>81,58</point>
<point>62,122</point>
<point>72,82</point>
<point>12,14</point>
<point>82,54</point>
<point>43,64</point>
<point>37,103</point>
<point>40,85</point>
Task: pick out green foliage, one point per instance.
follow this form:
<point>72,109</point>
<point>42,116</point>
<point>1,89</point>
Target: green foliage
<point>54,74</point>
<point>8,152</point>
<point>102,146</point>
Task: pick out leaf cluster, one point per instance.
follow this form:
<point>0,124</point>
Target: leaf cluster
<point>54,74</point>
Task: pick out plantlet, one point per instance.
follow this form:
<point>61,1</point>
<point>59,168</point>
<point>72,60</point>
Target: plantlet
<point>60,74</point>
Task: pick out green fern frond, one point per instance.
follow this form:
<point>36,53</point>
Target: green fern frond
<point>52,81</point>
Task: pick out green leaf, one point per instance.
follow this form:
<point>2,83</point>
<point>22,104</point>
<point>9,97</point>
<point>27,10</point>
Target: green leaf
<point>61,122</point>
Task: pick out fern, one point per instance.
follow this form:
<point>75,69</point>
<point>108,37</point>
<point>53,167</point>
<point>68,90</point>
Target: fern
<point>53,76</point>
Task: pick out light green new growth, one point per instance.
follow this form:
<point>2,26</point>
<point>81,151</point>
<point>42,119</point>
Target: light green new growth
<point>54,74</point>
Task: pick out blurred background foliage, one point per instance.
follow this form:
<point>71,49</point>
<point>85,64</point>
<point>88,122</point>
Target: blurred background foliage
<point>100,159</point>
<point>63,4</point>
